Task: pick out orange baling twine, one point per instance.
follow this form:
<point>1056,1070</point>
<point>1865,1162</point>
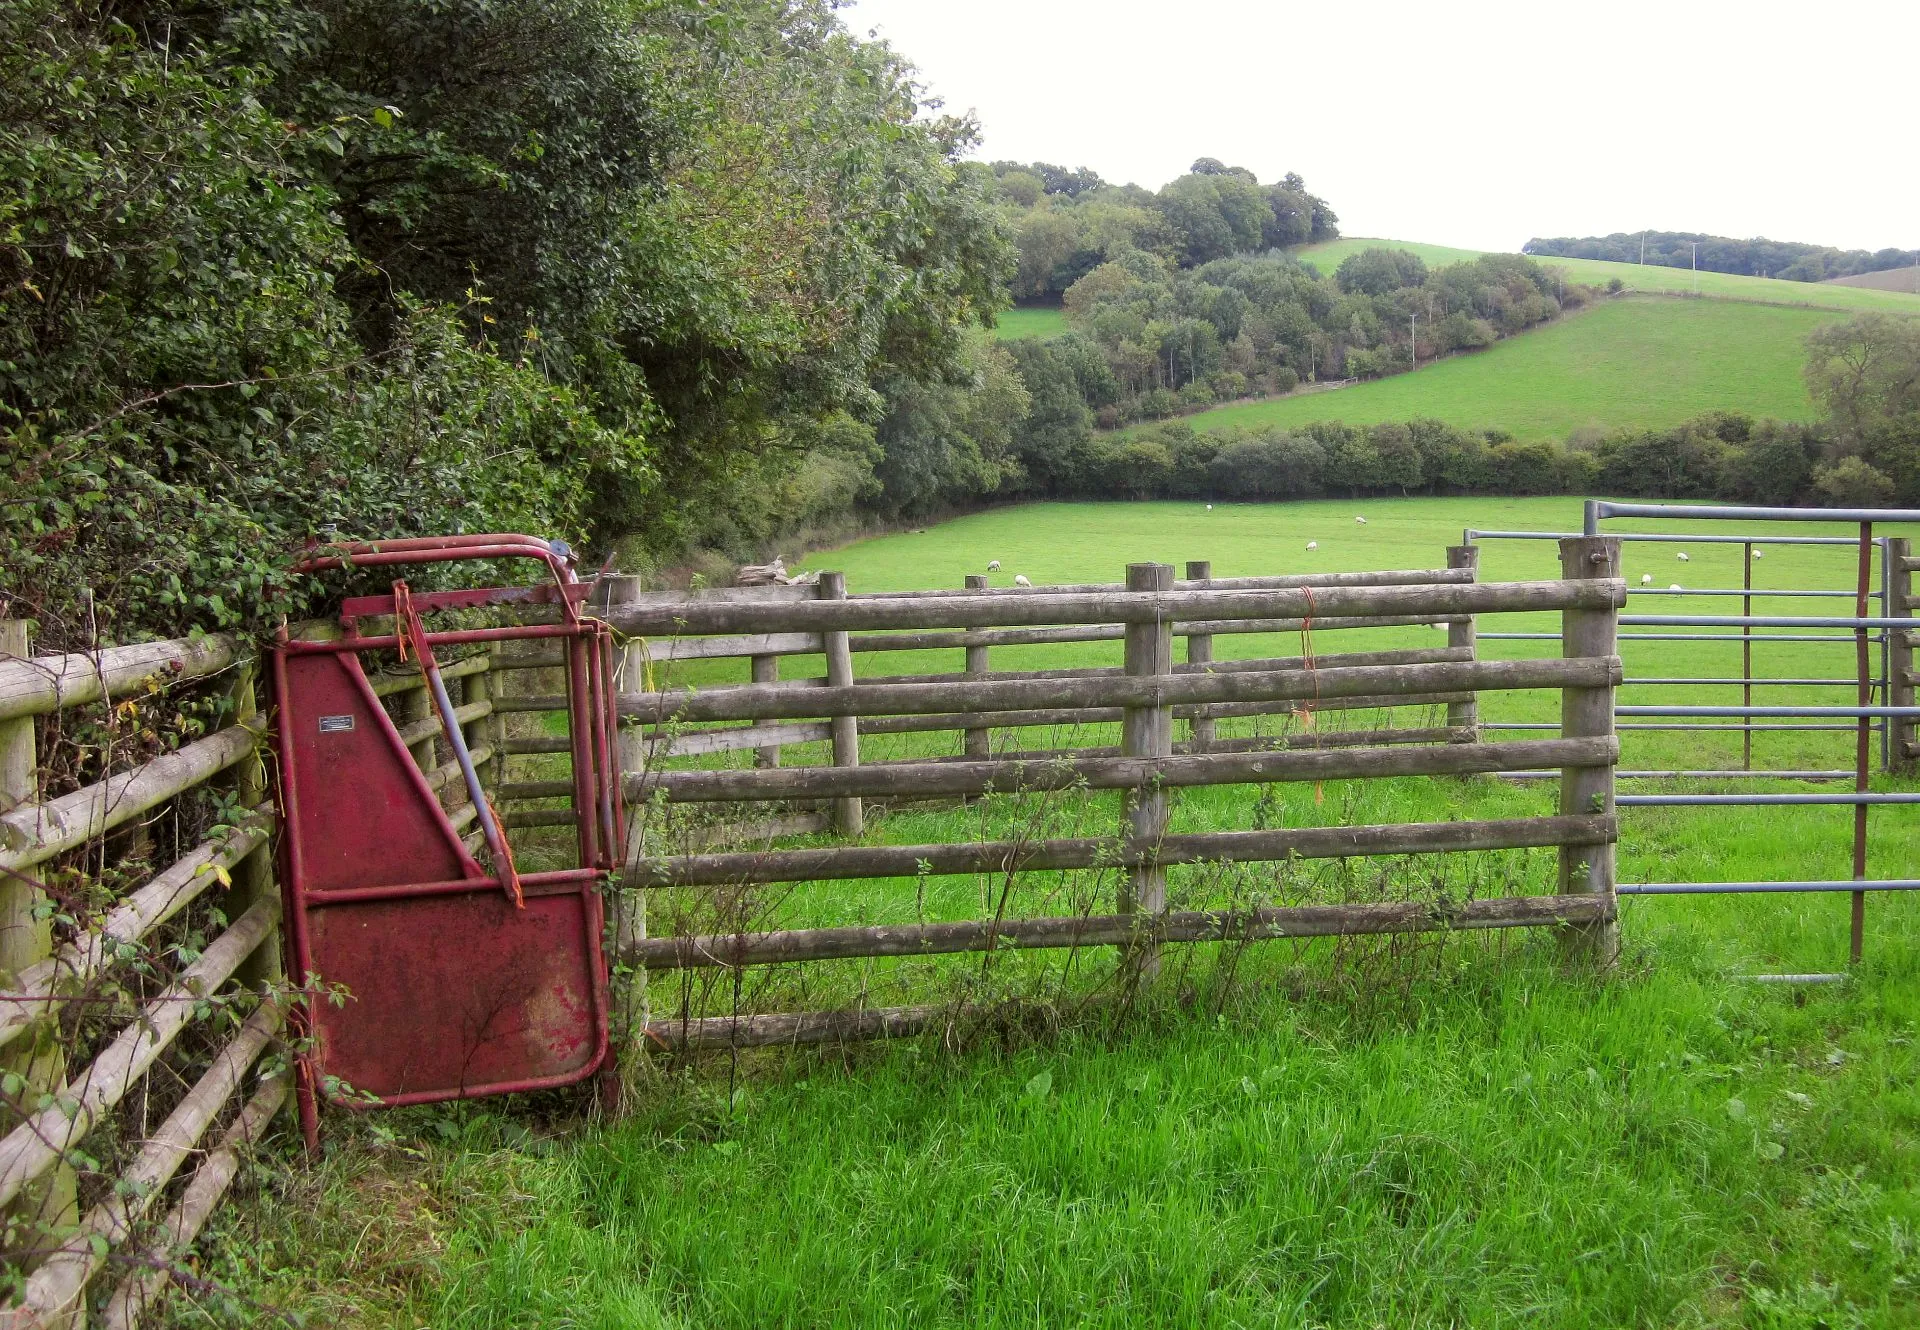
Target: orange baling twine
<point>1305,714</point>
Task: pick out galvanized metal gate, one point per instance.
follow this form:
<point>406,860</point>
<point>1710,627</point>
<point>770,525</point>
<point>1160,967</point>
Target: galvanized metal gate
<point>1883,698</point>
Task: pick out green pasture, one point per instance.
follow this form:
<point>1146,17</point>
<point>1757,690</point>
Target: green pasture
<point>1632,363</point>
<point>1442,1132</point>
<point>1648,278</point>
<point>1042,321</point>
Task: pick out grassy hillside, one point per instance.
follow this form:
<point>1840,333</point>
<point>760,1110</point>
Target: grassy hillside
<point>1032,321</point>
<point>1631,362</point>
<point>1651,278</point>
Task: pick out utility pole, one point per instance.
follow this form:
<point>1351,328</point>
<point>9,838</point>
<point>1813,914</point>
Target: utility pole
<point>1696,266</point>
<point>1413,344</point>
<point>1643,249</point>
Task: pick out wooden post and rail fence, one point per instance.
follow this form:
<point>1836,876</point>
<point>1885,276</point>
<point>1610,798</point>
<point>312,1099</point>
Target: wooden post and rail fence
<point>145,1216</point>
<point>1144,697</point>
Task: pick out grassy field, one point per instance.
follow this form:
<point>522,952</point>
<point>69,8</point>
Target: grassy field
<point>1461,1132</point>
<point>1649,278</point>
<point>1030,321</point>
<point>1623,363</point>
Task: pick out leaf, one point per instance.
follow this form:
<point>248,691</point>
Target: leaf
<point>1770,1149</point>
<point>1736,1109</point>
<point>1040,1084</point>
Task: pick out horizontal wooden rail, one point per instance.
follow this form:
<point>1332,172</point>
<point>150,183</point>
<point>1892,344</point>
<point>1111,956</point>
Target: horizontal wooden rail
<point>772,1029</point>
<point>36,1145</point>
<point>782,702</point>
<point>731,950</point>
<point>34,833</point>
<point>142,1289</point>
<point>82,960</point>
<point>910,779</point>
<point>51,683</point>
<point>1257,743</point>
<point>429,725</point>
<point>61,1278</point>
<point>908,861</point>
<point>1244,665</point>
<point>388,682</point>
<point>955,639</point>
<point>976,611</point>
<point>1077,716</point>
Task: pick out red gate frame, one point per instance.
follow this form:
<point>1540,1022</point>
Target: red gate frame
<point>326,865</point>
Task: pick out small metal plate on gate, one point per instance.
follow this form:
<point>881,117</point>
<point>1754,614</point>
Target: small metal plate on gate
<point>336,724</point>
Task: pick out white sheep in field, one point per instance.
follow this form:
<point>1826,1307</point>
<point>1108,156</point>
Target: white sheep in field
<point>993,565</point>
<point>1646,579</point>
<point>1682,556</point>
<point>1313,544</point>
<point>1759,554</point>
<point>1209,507</point>
<point>1359,521</point>
<point>1020,579</point>
<point>1675,587</point>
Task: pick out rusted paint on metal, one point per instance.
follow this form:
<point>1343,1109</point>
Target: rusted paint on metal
<point>454,988</point>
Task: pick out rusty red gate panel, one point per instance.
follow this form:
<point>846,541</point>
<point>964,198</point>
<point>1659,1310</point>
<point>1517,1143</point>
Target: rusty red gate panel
<point>460,979</point>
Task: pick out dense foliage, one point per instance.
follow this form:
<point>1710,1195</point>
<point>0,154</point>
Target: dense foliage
<point>1067,223</point>
<point>1759,257</point>
<point>590,267</point>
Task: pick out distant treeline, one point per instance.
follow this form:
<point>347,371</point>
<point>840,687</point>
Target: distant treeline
<point>1758,257</point>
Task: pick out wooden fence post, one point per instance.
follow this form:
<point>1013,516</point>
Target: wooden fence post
<point>1147,732</point>
<point>1588,713</point>
<point>765,669</point>
<point>1200,652</point>
<point>1900,751</point>
<point>1465,715</point>
<point>979,743</point>
<point>24,940</point>
<point>849,816</point>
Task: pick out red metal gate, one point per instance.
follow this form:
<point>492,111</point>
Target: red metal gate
<point>462,979</point>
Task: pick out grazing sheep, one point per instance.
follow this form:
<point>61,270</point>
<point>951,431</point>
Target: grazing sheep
<point>1209,507</point>
<point>1313,544</point>
<point>1682,556</point>
<point>1646,579</point>
<point>1360,521</point>
<point>1020,579</point>
<point>993,565</point>
<point>1759,554</point>
<point>1675,587</point>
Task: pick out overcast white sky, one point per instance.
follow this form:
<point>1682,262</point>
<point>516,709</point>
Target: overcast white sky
<point>1472,124</point>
